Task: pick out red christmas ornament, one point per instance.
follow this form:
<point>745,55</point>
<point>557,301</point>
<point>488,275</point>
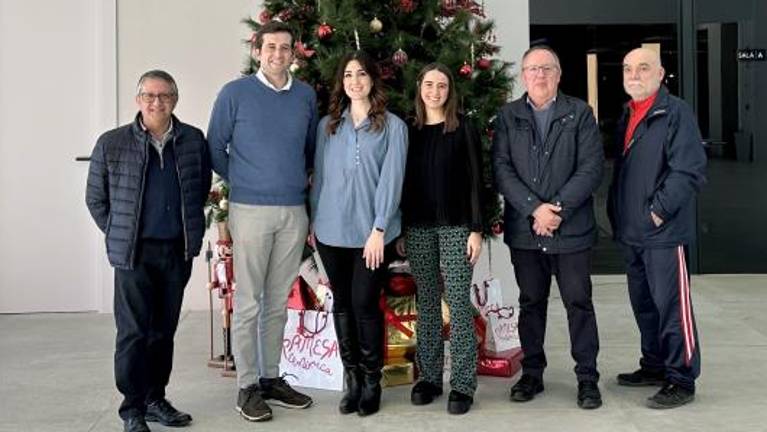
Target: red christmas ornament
<point>484,63</point>
<point>264,16</point>
<point>407,6</point>
<point>285,15</point>
<point>387,71</point>
<point>497,228</point>
<point>449,7</point>
<point>399,58</point>
<point>324,31</point>
<point>302,51</point>
<point>465,70</point>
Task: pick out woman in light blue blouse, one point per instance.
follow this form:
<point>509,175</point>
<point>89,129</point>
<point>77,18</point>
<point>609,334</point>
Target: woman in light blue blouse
<point>359,168</point>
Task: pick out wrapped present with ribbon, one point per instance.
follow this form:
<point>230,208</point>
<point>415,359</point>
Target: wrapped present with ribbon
<point>397,371</point>
<point>505,366</point>
<point>399,319</point>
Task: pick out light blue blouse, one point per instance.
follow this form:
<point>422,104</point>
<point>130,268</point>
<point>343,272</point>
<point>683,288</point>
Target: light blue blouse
<point>357,183</point>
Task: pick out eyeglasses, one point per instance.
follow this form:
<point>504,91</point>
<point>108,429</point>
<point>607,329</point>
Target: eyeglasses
<point>150,97</point>
<point>547,70</point>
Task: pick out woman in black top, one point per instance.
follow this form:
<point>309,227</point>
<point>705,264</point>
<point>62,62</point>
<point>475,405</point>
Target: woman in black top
<point>442,215</point>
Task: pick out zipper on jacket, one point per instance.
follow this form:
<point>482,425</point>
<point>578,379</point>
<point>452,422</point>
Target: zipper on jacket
<point>183,213</point>
<point>140,202</point>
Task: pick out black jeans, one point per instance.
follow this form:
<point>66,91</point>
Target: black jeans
<point>147,304</point>
<point>533,270</point>
<point>356,293</point>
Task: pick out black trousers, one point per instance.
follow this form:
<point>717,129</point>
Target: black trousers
<point>356,293</point>
<point>533,270</point>
<point>147,303</point>
<point>659,289</point>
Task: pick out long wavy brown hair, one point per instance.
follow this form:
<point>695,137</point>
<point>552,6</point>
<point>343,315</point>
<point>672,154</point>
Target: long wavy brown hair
<point>451,103</point>
<point>339,101</point>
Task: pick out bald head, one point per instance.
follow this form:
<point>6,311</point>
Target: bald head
<point>642,73</point>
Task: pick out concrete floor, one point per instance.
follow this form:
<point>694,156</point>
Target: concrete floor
<point>56,375</point>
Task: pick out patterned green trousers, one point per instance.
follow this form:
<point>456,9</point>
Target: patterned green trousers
<point>431,250</point>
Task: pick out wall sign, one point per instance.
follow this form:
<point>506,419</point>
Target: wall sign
<point>750,55</point>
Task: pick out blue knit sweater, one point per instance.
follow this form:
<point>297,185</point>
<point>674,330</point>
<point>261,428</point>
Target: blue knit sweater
<point>262,141</point>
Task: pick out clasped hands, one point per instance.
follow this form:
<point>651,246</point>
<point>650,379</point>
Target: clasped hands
<point>546,219</point>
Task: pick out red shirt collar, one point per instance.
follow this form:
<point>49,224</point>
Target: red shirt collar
<point>643,105</point>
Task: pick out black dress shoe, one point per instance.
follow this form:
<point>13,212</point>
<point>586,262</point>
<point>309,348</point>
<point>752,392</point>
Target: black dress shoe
<point>589,396</point>
<point>671,396</point>
<point>135,424</point>
<point>424,393</point>
<point>162,411</point>
<point>526,388</point>
<point>459,403</point>
<point>641,378</point>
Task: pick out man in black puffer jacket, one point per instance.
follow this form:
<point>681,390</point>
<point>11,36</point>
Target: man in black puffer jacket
<point>147,185</point>
<point>652,211</point>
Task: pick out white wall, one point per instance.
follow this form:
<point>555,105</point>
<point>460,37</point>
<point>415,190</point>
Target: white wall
<point>67,73</point>
<point>199,42</point>
<point>52,73</point>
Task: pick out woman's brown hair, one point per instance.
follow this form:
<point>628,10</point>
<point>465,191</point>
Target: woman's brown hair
<point>339,101</point>
<point>451,103</point>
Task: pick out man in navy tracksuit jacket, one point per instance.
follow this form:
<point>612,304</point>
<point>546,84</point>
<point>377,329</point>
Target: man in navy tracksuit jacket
<point>652,211</point>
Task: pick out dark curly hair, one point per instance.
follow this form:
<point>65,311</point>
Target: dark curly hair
<point>339,101</point>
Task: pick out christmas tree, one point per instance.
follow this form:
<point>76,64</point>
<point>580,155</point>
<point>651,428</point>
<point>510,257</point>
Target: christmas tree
<point>404,36</point>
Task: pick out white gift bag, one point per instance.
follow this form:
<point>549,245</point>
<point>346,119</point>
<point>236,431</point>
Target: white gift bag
<point>310,356</point>
<point>501,330</point>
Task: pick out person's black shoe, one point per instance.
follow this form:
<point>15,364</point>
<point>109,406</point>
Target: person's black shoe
<point>526,388</point>
<point>424,393</point>
<point>671,396</point>
<point>641,378</point>
<point>135,424</point>
<point>251,405</point>
<point>459,403</point>
<point>279,392</point>
<point>161,411</point>
<point>589,396</point>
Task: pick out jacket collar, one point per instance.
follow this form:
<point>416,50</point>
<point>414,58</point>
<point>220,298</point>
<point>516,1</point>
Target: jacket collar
<point>137,127</point>
<point>660,106</point>
<point>560,107</point>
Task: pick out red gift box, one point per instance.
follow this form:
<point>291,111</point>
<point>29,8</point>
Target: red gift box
<point>401,285</point>
<point>505,366</point>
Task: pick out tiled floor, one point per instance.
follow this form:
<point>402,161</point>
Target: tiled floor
<point>56,375</point>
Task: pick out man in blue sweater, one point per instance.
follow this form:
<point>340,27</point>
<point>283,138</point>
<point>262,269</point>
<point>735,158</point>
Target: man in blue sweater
<point>261,137</point>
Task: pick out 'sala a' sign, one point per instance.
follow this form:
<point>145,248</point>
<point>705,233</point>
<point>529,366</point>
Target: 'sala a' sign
<point>750,55</point>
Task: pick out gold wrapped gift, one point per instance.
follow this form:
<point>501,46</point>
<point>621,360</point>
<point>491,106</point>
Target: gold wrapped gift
<point>400,318</point>
<point>398,371</point>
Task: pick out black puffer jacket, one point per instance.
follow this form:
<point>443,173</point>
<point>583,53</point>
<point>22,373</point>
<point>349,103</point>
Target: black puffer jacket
<point>568,172</point>
<point>115,189</point>
<point>661,172</point>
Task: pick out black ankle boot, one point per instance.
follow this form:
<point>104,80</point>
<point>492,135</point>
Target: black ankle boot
<point>351,399</point>
<point>370,395</point>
